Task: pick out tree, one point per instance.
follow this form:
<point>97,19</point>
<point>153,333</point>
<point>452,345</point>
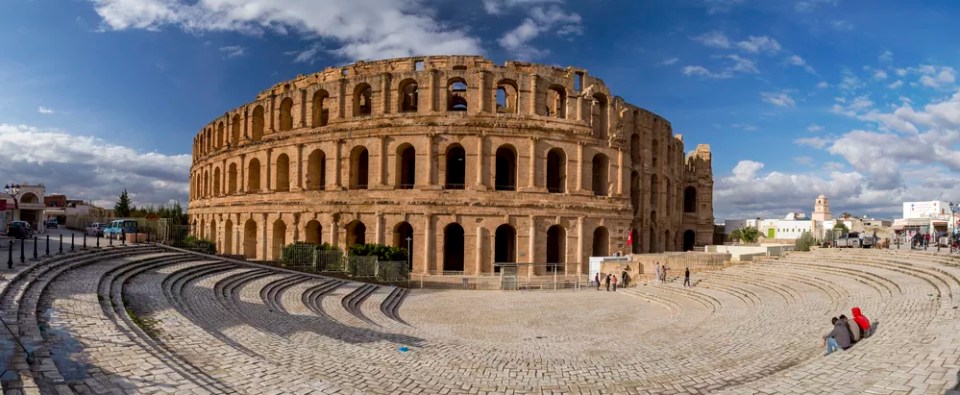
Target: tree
<point>804,242</point>
<point>842,227</point>
<point>123,207</point>
<point>745,235</point>
<point>846,215</point>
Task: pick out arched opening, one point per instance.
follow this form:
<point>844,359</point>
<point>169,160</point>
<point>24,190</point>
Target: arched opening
<point>456,173</point>
<point>652,236</point>
<point>690,200</point>
<point>506,169</point>
<point>216,182</point>
<point>635,239</point>
<point>556,171</point>
<point>406,166</point>
<point>313,232</point>
<point>556,248</point>
<point>320,114</point>
<point>600,116</point>
<point>256,134</point>
<point>206,183</point>
<point>507,97</point>
<point>655,152</point>
<point>689,240</point>
<point>654,191</point>
<point>453,249</point>
<point>403,238</point>
<point>213,234</point>
<point>359,167</point>
<point>666,240</point>
<point>220,135</point>
<point>283,173</point>
<point>202,229</point>
<point>253,176</point>
<point>409,95</point>
<point>635,153</point>
<point>235,130</point>
<point>356,233</point>
<point>556,102</point>
<point>250,239</point>
<point>227,237</point>
<point>316,170</point>
<point>600,171</point>
<point>635,192</point>
<point>286,114</point>
<point>29,198</point>
<point>505,245</point>
<point>601,242</point>
<point>209,140</point>
<point>232,179</point>
<point>457,95</point>
<point>362,100</point>
<point>279,239</point>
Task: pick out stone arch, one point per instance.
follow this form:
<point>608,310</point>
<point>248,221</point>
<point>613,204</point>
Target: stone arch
<point>601,171</point>
<point>313,232</point>
<point>505,244</point>
<point>206,183</point>
<point>227,237</point>
<point>556,248</point>
<point>209,139</point>
<point>401,232</point>
<point>356,233</point>
<point>253,176</point>
<point>359,167</point>
<point>316,170</point>
<point>220,135</point>
<point>457,94</point>
<point>216,181</point>
<point>320,114</point>
<point>635,200</point>
<point>286,114</point>
<point>556,102</point>
<point>256,130</point>
<point>689,240</point>
<point>506,168</point>
<point>235,130</point>
<point>453,248</point>
<point>232,179</point>
<point>283,173</point>
<point>556,170</point>
<point>29,198</point>
<point>456,171</point>
<point>213,234</point>
<point>250,239</point>
<point>690,199</point>
<point>635,154</point>
<point>409,95</point>
<point>507,96</point>
<point>601,242</point>
<point>279,239</point>
<point>406,166</point>
<point>600,115</point>
<point>362,99</point>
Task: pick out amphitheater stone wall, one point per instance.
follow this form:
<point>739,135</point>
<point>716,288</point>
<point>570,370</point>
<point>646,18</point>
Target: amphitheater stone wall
<point>475,163</point>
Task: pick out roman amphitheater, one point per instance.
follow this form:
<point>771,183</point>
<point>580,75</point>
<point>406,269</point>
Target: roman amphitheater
<point>474,163</point>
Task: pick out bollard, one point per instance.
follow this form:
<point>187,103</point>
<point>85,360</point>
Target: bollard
<point>123,237</point>
<point>61,244</point>
<point>71,242</point>
<point>111,240</point>
<point>98,241</point>
<point>48,246</point>
<point>34,248</point>
<point>10,256</point>
<point>22,258</point>
<point>84,241</point>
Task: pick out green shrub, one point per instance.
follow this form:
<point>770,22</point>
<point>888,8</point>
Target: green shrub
<point>805,241</point>
<point>382,252</point>
<point>200,245</point>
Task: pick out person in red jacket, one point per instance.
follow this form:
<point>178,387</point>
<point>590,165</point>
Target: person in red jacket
<point>862,322</point>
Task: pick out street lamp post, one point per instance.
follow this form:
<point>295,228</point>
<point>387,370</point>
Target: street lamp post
<point>13,190</point>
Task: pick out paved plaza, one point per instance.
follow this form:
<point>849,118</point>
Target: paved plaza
<point>146,319</point>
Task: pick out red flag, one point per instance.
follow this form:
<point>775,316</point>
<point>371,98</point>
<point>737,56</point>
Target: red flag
<point>630,238</point>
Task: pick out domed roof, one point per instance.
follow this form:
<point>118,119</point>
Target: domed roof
<point>822,196</point>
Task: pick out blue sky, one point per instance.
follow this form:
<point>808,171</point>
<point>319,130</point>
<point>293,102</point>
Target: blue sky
<point>854,99</point>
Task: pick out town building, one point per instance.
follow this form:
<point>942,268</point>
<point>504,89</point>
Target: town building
<point>23,203</point>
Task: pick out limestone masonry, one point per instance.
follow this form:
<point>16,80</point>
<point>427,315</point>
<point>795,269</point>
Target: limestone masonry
<point>475,163</point>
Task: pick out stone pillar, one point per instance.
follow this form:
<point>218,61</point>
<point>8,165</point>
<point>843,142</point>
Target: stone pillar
<point>243,179</point>
<point>480,167</point>
<point>335,233</point>
<point>620,172</point>
<point>532,164</point>
<point>263,239</point>
<point>427,245</point>
<point>383,162</point>
<point>296,227</point>
<point>533,94</point>
<point>579,168</point>
<point>338,166</point>
<point>269,184</point>
<point>342,99</point>
<point>428,182</point>
<point>299,186</point>
<point>303,108</point>
<point>273,115</point>
<point>385,93</point>
<point>434,90</point>
<point>378,228</point>
<point>532,246</point>
<point>483,92</point>
<point>580,256</point>
<point>223,177</point>
<point>479,257</point>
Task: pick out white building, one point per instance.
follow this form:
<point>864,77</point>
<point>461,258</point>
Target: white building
<point>793,225</point>
<point>25,205</point>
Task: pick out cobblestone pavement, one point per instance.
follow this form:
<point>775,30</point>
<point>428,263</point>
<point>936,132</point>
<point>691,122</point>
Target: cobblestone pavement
<point>151,320</point>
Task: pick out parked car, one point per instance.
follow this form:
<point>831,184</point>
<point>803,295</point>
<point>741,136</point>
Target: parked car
<point>52,223</point>
<point>20,230</point>
<point>95,229</point>
<point>120,227</point>
<point>855,240</point>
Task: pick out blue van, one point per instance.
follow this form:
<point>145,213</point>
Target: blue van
<point>120,227</point>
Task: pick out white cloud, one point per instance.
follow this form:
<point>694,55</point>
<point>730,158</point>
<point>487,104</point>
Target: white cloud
<point>885,57</point>
<point>823,85</point>
<point>803,160</point>
<point>232,51</point>
<point>373,29</point>
<point>895,84</point>
<point>76,166</point>
<point>795,60</point>
<point>840,24</point>
<point>814,128</point>
<point>742,65</point>
<point>815,142</point>
<point>714,39</point>
<point>880,75</point>
<point>44,110</point>
<point>496,7</point>
<point>852,108</point>
<point>779,99</point>
<point>810,5</point>
<point>540,21</point>
<point>700,71</point>
<point>759,44</point>
<point>668,62</point>
<point>718,6</point>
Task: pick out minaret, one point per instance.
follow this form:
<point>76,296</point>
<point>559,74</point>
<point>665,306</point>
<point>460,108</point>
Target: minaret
<point>821,209</point>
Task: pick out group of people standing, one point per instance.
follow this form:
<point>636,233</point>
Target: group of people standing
<point>611,279</point>
<point>662,275</point>
<point>845,332</point>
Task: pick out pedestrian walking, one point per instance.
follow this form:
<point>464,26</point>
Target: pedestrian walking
<point>623,279</point>
<point>658,273</point>
<point>614,283</point>
<point>596,279</point>
<point>686,277</point>
<point>664,273</point>
<point>608,282</point>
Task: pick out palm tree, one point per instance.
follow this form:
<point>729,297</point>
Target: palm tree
<point>745,235</point>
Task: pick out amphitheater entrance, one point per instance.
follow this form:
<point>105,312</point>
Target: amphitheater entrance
<point>279,239</point>
<point>403,238</point>
<point>556,248</point>
<point>314,232</point>
<point>601,242</point>
<point>456,168</point>
<point>689,240</point>
<point>453,248</point>
<point>250,239</point>
<point>356,233</point>
<point>505,245</point>
<point>600,168</point>
<point>556,171</point>
<point>506,177</point>
<point>406,166</point>
<point>227,237</point>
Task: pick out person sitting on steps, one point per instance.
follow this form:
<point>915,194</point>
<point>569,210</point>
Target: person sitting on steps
<point>839,336</point>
